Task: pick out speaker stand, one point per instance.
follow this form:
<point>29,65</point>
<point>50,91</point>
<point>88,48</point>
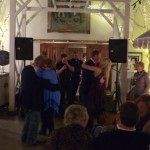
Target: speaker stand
<point>117,92</point>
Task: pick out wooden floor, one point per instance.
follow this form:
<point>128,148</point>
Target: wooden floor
<point>10,132</point>
<point>11,126</point>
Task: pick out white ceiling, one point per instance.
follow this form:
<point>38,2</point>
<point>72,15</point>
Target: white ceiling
<point>139,16</point>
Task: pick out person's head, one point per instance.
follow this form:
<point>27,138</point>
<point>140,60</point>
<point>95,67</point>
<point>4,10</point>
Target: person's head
<point>139,66</point>
<point>76,114</point>
<point>44,54</point>
<point>48,63</point>
<point>129,115</point>
<point>96,55</point>
<point>143,104</point>
<point>63,57</point>
<point>39,61</point>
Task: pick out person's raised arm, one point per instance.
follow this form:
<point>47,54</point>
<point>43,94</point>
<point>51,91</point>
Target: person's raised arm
<point>71,68</point>
<point>59,71</point>
<point>97,70</point>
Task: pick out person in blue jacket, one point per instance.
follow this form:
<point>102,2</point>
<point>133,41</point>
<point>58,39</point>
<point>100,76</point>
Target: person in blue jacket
<point>51,98</point>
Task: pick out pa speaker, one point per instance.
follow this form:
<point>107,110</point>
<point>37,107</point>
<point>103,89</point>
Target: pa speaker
<point>24,48</point>
<point>118,50</point>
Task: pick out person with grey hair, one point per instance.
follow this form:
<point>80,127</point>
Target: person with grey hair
<point>140,80</point>
<point>73,136</point>
<point>31,97</point>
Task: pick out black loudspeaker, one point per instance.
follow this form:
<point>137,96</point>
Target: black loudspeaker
<point>24,48</point>
<point>118,50</point>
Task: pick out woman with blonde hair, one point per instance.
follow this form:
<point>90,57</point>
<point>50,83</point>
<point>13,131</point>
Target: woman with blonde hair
<point>96,98</point>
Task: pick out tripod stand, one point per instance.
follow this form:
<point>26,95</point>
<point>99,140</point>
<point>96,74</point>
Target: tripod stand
<point>117,92</point>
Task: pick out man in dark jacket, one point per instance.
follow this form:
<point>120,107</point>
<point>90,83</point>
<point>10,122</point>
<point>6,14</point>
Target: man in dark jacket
<point>31,97</point>
<point>64,70</point>
<point>88,77</point>
<point>125,137</point>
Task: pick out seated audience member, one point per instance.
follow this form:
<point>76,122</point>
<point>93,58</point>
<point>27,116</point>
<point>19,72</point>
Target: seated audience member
<point>73,136</point>
<point>125,137</point>
<point>143,104</point>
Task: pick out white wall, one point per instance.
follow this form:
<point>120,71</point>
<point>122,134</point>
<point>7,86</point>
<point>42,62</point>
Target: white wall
<point>100,31</point>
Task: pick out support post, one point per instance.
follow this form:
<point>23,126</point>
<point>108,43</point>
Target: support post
<point>12,56</point>
<point>124,66</point>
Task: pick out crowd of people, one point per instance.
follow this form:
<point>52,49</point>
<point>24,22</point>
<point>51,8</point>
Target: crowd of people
<point>47,89</point>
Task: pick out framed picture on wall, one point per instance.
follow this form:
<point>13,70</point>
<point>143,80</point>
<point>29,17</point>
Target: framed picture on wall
<point>133,57</point>
<point>67,21</point>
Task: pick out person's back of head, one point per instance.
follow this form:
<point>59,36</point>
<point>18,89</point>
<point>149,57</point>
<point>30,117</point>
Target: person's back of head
<point>63,55</point>
<point>72,136</point>
<point>48,63</point>
<point>95,52</point>
<point>129,114</point>
<point>96,56</point>
<point>76,114</point>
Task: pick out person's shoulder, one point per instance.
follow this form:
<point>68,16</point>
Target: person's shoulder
<point>28,68</point>
<point>107,134</point>
<point>146,127</point>
<point>90,62</point>
<point>52,73</point>
<point>71,60</point>
<point>59,65</point>
<point>102,140</point>
<point>142,136</point>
